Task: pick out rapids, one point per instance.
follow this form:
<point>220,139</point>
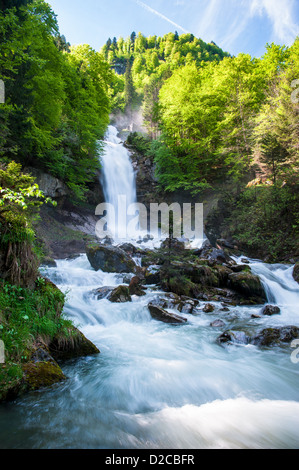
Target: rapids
<point>160,386</point>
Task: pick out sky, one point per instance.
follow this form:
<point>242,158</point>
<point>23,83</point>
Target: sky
<point>234,25</point>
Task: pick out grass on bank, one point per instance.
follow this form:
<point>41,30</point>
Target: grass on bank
<point>27,317</point>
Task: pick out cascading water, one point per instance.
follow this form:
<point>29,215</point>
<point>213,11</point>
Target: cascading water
<point>160,386</point>
<point>118,179</point>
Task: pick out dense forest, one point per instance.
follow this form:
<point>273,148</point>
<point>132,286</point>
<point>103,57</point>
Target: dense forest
<point>210,120</point>
<point>213,120</point>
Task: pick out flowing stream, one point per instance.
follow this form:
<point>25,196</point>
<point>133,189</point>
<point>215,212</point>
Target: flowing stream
<point>160,386</point>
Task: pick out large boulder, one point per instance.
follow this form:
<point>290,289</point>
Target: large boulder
<point>109,259</point>
<point>248,285</point>
<point>160,314</point>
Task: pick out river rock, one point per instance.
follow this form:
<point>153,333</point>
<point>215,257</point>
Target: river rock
<point>135,287</point>
<point>120,294</point>
<point>187,306</point>
<point>102,292</point>
<point>276,336</point>
<point>109,259</point>
<point>212,254</point>
<point>248,285</point>
<point>270,310</point>
<point>217,324</point>
<point>160,314</point>
<point>208,308</point>
<point>233,337</point>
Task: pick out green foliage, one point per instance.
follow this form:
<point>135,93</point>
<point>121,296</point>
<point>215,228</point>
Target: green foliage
<point>26,315</point>
<point>142,64</point>
<point>57,97</point>
<point>219,119</point>
<point>264,221</point>
<point>20,199</point>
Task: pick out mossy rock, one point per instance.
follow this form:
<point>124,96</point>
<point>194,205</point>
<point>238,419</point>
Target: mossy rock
<point>71,345</point>
<point>276,336</point>
<point>248,285</point>
<point>42,374</point>
<point>109,259</point>
<point>120,294</point>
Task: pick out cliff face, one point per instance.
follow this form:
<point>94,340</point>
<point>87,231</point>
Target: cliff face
<point>64,230</point>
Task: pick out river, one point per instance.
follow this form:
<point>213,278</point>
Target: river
<point>161,386</point>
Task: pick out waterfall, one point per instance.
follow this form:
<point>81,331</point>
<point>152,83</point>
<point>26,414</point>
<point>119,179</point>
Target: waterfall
<point>118,178</point>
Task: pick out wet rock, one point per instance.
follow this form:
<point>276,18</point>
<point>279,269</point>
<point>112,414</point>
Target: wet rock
<point>225,309</point>
<point>276,336</point>
<point>240,267</point>
<point>270,310</point>
<point>160,314</point>
<point>109,259</point>
<point>49,262</point>
<point>186,307</point>
<point>208,308</point>
<point>135,287</point>
<point>217,324</point>
<point>255,315</point>
<point>120,294</point>
<point>233,337</point>
<point>248,285</point>
<point>102,292</point>
<point>168,300</point>
<point>152,275</point>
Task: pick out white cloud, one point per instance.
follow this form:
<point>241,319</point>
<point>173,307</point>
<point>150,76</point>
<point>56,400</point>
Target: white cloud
<point>281,13</point>
<point>208,22</point>
<point>157,13</point>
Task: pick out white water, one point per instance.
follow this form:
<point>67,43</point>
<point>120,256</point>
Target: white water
<point>160,386</point>
<point>118,179</point>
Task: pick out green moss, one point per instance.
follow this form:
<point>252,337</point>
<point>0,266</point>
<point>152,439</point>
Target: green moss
<point>42,374</point>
